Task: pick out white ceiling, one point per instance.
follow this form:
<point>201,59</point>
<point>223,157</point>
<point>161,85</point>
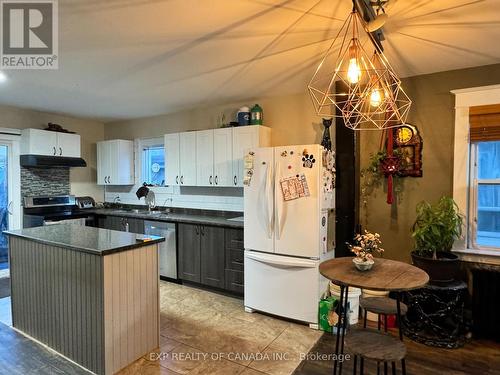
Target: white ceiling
<point>132,58</point>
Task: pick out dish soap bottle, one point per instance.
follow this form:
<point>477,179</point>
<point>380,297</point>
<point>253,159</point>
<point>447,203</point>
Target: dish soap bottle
<point>256,115</point>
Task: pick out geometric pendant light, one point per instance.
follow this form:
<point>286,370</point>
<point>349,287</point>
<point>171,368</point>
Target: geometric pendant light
<point>372,97</point>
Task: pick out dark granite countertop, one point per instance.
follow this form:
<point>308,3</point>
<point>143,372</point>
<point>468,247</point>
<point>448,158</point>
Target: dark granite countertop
<point>85,239</point>
<point>173,217</point>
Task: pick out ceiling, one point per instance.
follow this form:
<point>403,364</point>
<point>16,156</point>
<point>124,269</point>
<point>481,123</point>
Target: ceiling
<point>132,58</point>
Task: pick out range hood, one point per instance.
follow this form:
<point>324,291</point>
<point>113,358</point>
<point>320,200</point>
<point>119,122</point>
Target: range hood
<point>43,161</point>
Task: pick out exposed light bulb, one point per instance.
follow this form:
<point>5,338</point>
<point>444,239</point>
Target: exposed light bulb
<point>375,97</point>
<point>353,71</point>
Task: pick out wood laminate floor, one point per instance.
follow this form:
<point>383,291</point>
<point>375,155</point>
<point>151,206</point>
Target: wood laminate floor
<point>476,357</point>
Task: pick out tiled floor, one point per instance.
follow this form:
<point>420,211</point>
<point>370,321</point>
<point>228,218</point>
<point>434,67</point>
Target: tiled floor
<point>206,333</point>
<point>4,272</point>
<point>5,311</point>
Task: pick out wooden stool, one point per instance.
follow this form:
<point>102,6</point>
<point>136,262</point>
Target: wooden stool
<point>374,345</point>
<point>383,306</point>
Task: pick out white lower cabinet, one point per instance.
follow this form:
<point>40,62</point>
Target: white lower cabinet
<point>115,162</point>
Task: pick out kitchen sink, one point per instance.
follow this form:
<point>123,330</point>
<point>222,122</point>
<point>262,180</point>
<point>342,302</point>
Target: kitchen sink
<point>142,212</point>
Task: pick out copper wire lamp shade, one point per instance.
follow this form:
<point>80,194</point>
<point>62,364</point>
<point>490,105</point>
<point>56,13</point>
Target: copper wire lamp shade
<point>372,97</point>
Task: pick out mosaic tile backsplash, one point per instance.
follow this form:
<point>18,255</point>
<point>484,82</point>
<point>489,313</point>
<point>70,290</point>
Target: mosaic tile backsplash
<point>44,181</point>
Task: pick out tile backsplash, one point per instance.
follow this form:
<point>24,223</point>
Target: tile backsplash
<point>44,181</point>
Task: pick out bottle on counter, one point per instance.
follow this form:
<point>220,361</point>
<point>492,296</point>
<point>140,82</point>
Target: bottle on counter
<point>256,115</point>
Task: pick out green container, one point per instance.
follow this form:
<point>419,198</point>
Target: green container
<point>325,306</point>
<point>256,115</point>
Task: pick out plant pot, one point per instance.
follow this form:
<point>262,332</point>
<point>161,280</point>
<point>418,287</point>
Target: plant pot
<point>363,265</point>
<point>442,270</point>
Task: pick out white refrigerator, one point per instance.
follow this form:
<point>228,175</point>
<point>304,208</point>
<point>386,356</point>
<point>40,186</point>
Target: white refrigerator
<point>287,237</point>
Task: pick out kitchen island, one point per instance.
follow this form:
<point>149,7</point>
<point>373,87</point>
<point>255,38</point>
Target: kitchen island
<point>90,294</point>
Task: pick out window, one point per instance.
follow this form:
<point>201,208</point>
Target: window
<point>153,162</point>
<point>485,195</point>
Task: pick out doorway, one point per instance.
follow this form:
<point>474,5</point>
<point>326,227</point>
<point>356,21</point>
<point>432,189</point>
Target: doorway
<point>10,192</point>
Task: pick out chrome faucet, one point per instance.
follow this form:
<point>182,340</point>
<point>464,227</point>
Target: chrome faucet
<point>117,199</point>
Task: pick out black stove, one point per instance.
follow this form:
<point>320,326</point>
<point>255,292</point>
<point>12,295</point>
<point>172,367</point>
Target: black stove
<point>46,210</point>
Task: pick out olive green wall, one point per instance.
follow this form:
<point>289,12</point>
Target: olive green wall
<point>291,117</point>
<point>433,113</point>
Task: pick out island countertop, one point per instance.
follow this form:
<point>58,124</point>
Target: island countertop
<point>85,239</point>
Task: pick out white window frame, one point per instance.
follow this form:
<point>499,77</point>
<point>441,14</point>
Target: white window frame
<point>473,213</point>
<point>464,99</point>
<point>12,138</point>
<point>141,143</point>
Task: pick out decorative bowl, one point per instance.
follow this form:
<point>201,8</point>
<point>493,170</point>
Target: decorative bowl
<point>363,265</point>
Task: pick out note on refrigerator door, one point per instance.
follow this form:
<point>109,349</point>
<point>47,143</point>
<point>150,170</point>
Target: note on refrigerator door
<point>294,187</point>
<point>305,186</point>
<point>248,162</point>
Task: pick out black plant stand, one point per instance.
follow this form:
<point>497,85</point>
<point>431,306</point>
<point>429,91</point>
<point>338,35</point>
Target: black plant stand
<point>436,315</point>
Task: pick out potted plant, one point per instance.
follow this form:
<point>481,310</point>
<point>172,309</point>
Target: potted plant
<point>434,231</point>
<point>365,246</point>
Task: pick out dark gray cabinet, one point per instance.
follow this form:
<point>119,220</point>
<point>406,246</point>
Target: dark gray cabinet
<point>134,225</point>
<point>188,239</point>
<point>201,254</point>
<point>120,223</point>
<point>212,256</point>
<point>234,263</point>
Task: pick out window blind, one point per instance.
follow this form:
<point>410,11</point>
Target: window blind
<point>484,123</point>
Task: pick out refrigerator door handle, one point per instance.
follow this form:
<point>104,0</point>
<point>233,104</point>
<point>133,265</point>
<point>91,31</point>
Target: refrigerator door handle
<point>282,260</point>
<point>269,201</point>
<point>279,200</point>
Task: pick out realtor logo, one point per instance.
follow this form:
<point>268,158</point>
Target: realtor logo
<point>29,37</point>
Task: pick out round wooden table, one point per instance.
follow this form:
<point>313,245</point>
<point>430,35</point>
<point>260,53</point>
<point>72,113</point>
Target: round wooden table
<point>385,275</point>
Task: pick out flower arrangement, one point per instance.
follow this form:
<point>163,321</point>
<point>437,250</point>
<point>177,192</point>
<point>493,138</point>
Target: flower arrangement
<point>366,245</point>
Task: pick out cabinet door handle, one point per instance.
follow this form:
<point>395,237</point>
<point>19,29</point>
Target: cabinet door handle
<point>105,179</point>
<point>197,229</point>
<point>60,151</point>
<point>202,230</point>
<point>210,180</point>
<point>182,180</point>
<point>55,151</point>
<point>235,179</point>
<point>177,180</point>
<point>216,180</point>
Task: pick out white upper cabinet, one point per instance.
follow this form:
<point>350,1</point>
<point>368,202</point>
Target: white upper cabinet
<point>205,158</point>
<point>187,157</point>
<point>68,145</point>
<point>172,159</point>
<point>180,159</point>
<point>223,157</point>
<point>245,138</point>
<point>211,157</point>
<point>115,162</point>
<point>49,143</point>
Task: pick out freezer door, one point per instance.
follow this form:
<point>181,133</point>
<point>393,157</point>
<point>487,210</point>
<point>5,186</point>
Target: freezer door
<point>283,286</point>
<point>297,222</point>
<point>259,203</point>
